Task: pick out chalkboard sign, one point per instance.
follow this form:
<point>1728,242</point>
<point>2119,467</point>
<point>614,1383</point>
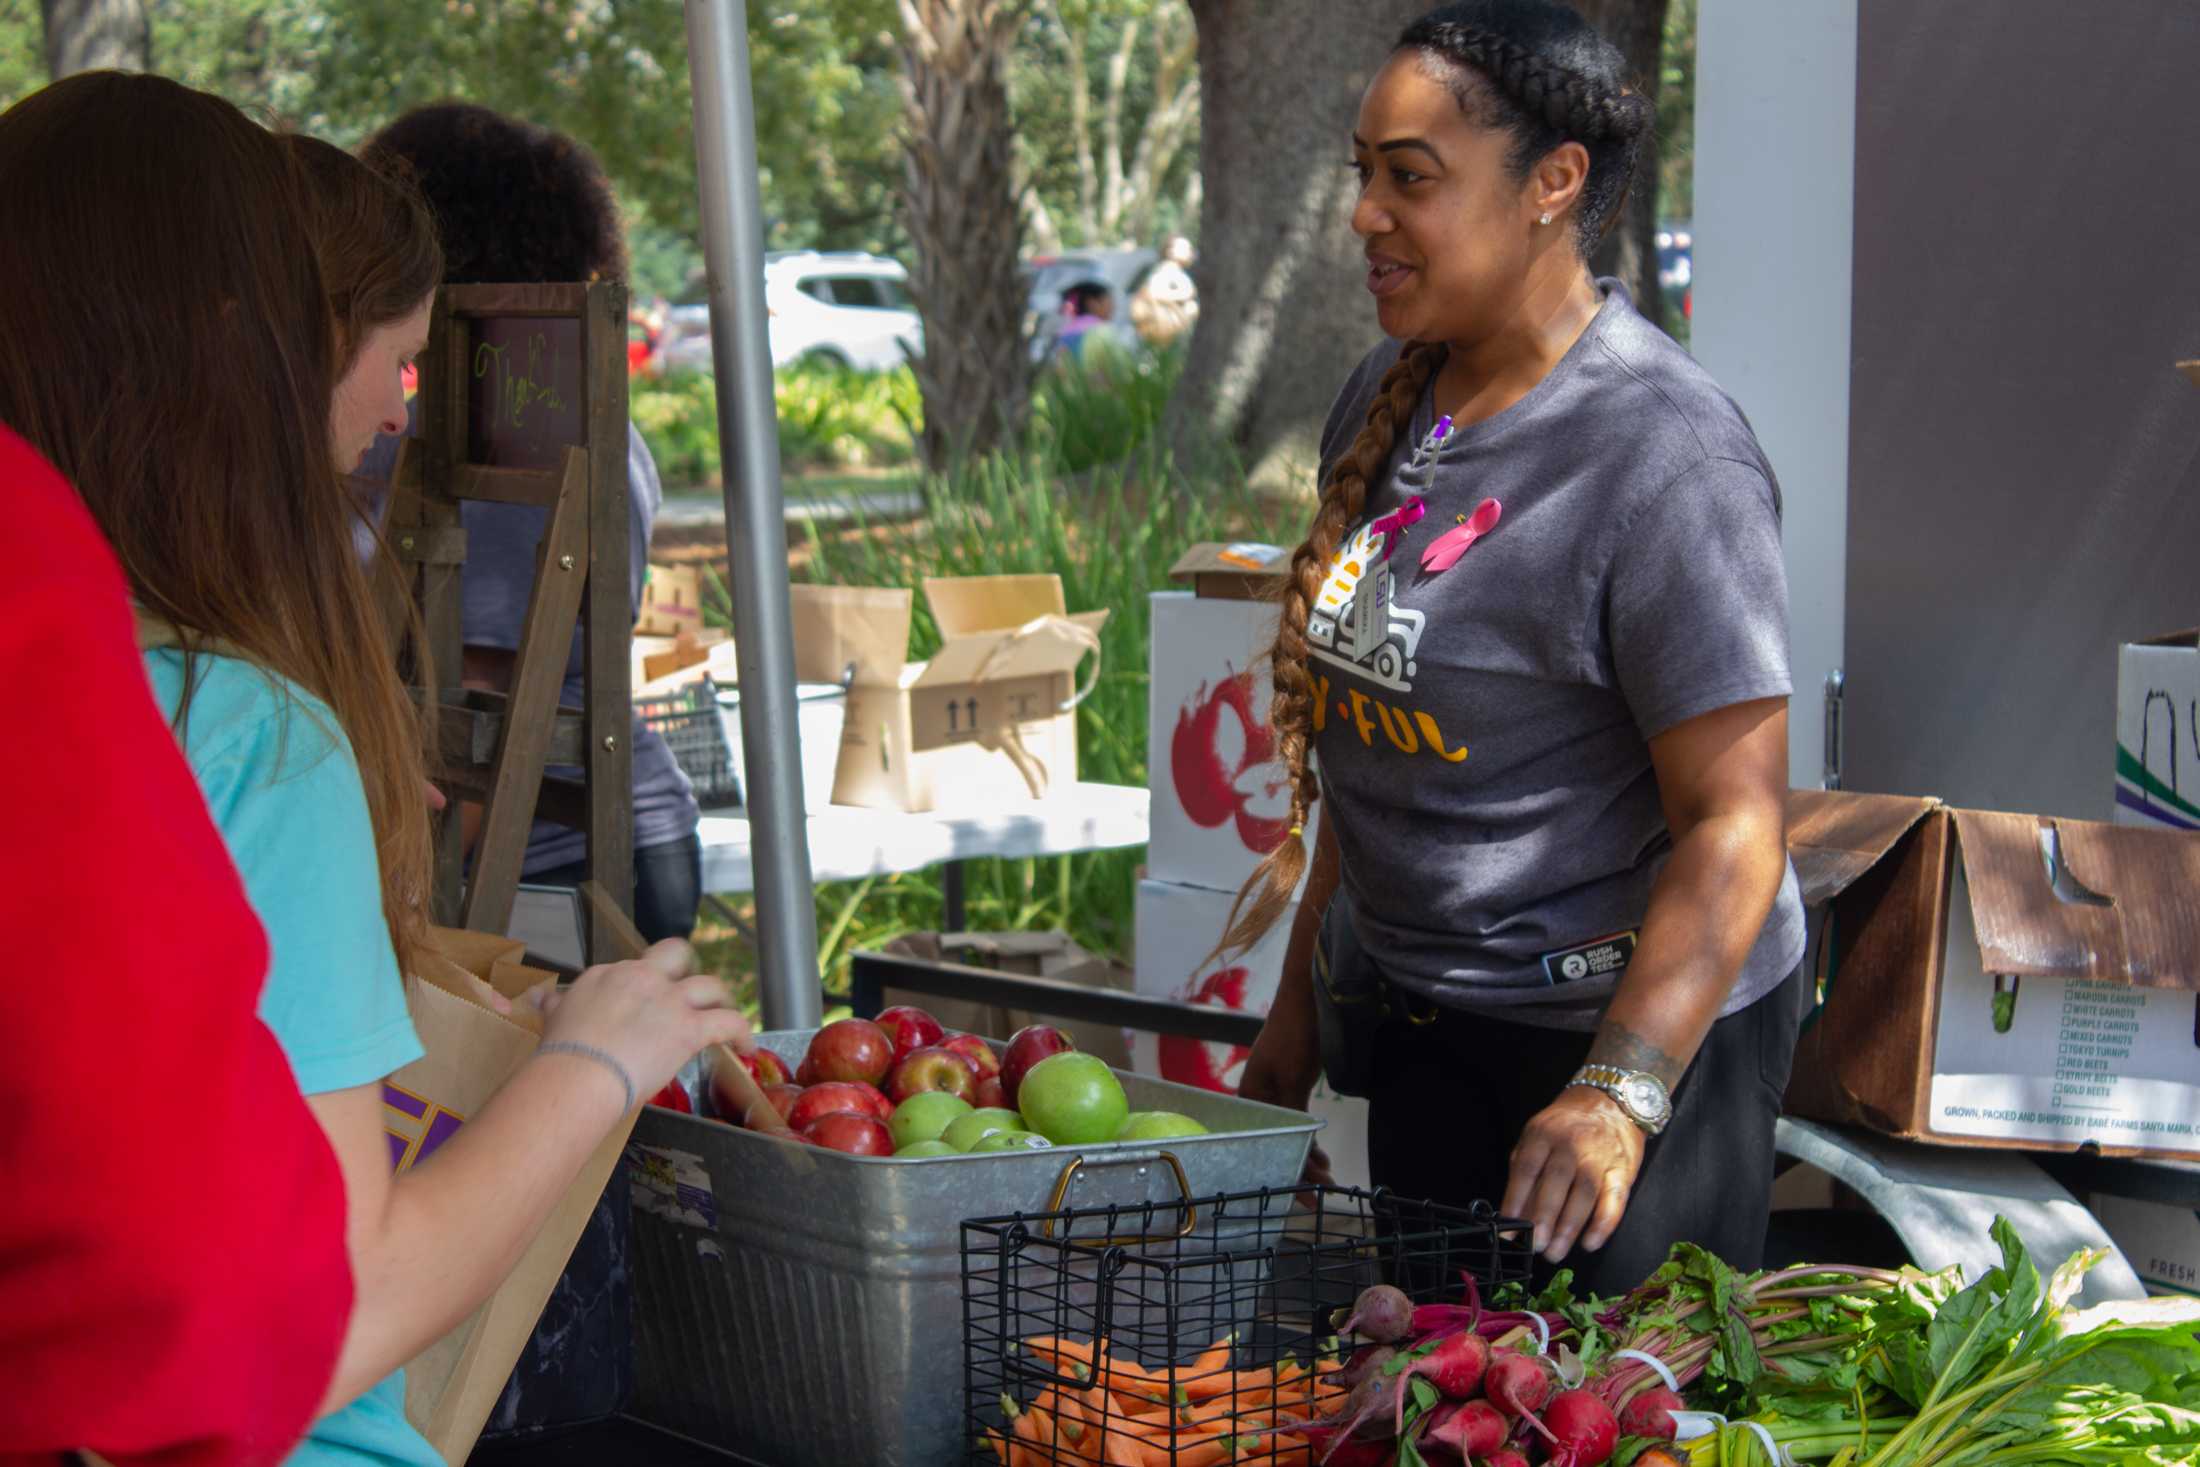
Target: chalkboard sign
<point>525,402</point>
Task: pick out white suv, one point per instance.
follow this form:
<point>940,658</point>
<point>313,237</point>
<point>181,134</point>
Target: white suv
<point>843,309</point>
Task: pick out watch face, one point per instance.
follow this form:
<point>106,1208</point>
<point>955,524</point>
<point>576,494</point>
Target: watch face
<point>1644,1097</point>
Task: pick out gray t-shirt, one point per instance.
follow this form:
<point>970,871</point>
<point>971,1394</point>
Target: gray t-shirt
<point>1485,761</point>
<point>500,573</point>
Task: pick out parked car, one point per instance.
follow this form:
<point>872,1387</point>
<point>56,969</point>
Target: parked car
<point>840,308</point>
<point>1677,267</point>
<point>1047,276</point>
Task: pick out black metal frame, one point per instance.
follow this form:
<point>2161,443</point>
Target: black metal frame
<point>871,974</point>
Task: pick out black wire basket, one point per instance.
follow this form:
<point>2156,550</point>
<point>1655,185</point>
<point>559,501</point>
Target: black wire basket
<point>690,723</point>
<point>1185,1331</point>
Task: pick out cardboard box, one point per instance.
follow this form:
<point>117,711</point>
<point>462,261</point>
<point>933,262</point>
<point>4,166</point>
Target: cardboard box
<point>1242,571</point>
<point>1035,954</point>
<point>1220,802</point>
<point>1999,980</point>
<point>2158,733</point>
<point>672,602</point>
<point>990,719</point>
<point>2160,1242</point>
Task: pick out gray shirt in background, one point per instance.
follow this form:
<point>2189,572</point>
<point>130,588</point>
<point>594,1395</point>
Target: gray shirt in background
<point>1485,759</point>
<point>500,573</point>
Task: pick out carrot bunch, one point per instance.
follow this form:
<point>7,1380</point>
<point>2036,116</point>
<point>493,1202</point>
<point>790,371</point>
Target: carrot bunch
<point>1202,1414</point>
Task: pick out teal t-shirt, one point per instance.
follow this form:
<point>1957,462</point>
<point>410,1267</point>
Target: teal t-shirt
<point>281,783</point>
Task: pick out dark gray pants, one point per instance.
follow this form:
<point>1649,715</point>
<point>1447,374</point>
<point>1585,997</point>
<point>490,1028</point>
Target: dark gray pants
<point>1451,1098</point>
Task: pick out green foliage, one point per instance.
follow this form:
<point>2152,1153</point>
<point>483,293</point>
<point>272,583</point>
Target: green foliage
<point>1100,409</point>
<point>828,418</point>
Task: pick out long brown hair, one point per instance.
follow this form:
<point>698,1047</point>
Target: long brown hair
<point>374,236</point>
<point>170,349</point>
<point>1267,892</point>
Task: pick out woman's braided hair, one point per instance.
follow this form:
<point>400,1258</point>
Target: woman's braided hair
<point>1541,73</point>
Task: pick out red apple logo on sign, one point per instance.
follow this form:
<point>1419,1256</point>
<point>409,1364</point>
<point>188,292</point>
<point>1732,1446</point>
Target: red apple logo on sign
<point>1224,768</point>
<point>1198,1062</point>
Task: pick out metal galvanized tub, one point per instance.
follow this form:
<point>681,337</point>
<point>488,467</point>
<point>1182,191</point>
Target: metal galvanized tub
<point>803,1308</point>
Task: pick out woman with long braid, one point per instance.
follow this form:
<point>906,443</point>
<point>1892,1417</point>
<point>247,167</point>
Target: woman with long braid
<point>1537,640</point>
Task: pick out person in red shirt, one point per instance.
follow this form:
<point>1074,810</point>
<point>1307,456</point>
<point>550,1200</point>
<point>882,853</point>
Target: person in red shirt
<point>173,1277</point>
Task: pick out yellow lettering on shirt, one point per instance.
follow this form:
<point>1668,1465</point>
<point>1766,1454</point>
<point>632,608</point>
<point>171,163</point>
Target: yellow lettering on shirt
<point>1321,703</point>
<point>1436,740</point>
<point>1400,733</point>
<point>1360,720</point>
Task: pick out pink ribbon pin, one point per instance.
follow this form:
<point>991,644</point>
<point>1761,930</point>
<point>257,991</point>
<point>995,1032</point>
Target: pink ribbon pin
<point>1449,546</point>
<point>1394,524</point>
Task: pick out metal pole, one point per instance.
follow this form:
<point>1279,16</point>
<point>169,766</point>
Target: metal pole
<point>748,435</point>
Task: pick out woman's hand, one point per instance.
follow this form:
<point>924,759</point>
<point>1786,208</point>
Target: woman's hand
<point>1572,1171</point>
<point>651,1014</point>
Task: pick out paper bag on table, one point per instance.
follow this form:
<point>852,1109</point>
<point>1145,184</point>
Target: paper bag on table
<point>451,1386</point>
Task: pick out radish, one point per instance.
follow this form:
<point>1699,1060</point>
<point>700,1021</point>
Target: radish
<point>1506,1458</point>
<point>1517,1384</point>
<point>1381,1313</point>
<point>1651,1414</point>
<point>1344,1453</point>
<point>1455,1366</point>
<point>1365,1361</point>
<point>1471,1428</point>
<point>1582,1429</point>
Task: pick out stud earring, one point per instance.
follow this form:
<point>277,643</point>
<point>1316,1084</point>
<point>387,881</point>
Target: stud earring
<point>1544,220</point>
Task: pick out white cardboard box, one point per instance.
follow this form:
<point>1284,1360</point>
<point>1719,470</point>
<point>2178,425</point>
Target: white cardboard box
<point>2161,1243</point>
<point>1219,799</point>
<point>1177,927</point>
<point>2059,1061</point>
<point>2158,733</point>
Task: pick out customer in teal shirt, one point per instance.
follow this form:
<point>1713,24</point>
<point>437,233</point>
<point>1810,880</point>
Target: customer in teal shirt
<point>201,433</point>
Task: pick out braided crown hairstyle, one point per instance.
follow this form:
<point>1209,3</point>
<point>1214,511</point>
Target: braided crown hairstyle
<point>1541,73</point>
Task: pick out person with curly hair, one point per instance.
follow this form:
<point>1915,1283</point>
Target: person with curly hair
<point>515,202</point>
<point>1537,636</point>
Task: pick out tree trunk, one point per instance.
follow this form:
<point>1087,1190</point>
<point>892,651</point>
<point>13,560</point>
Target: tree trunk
<point>1283,316</point>
<point>1175,109</point>
<point>96,35</point>
<point>959,200</point>
<point>1630,249</point>
<point>1111,137</point>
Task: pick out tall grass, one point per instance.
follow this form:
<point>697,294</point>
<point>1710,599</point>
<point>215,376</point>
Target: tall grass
<point>1110,531</point>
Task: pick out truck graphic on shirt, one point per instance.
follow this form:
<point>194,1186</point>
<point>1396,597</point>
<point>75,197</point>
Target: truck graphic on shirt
<point>1330,631</point>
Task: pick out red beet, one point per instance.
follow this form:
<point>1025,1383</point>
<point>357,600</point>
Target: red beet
<point>1473,1429</point>
<point>1381,1313</point>
<point>1365,1361</point>
<point>1506,1458</point>
<point>1651,1414</point>
<point>1582,1429</point>
<point>1455,1366</point>
<point>1517,1384</point>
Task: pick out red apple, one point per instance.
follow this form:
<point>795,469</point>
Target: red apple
<point>766,1068</point>
<point>854,1134</point>
<point>853,1050</point>
<point>1032,1043</point>
<point>806,1072</point>
<point>673,1097</point>
<point>909,1028</point>
<point>989,1095</point>
<point>932,1068</point>
<point>823,1100</point>
<point>976,1050</point>
<point>782,1099</point>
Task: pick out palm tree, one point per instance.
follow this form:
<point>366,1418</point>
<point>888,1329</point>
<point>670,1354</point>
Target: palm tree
<point>959,201</point>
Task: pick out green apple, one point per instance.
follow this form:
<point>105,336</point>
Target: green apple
<point>924,1115</point>
<point>1158,1125</point>
<point>1012,1141</point>
<point>1073,1099</point>
<point>926,1148</point>
<point>964,1132</point>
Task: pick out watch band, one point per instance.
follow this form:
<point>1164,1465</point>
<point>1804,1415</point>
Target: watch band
<point>1616,1082</point>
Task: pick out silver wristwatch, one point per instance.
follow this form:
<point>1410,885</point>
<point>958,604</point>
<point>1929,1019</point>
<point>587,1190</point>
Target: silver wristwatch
<point>1639,1093</point>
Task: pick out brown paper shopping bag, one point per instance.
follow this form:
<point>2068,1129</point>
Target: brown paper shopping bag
<point>451,1386</point>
